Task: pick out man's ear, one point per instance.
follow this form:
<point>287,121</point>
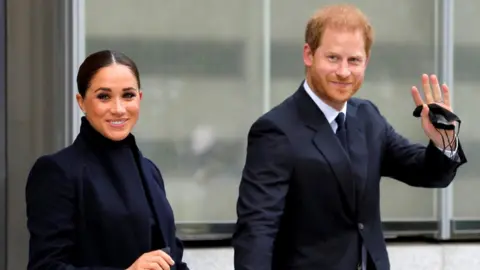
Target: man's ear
<point>307,55</point>
<point>140,94</point>
<point>80,102</point>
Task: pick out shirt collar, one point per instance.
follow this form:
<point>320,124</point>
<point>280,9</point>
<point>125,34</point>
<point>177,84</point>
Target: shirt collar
<point>329,112</point>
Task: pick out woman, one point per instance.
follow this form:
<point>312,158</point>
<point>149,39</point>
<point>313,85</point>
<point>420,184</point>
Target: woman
<point>99,204</point>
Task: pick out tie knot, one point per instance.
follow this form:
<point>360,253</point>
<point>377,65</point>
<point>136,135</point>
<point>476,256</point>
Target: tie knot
<point>340,120</point>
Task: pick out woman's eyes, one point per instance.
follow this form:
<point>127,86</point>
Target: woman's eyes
<point>125,95</point>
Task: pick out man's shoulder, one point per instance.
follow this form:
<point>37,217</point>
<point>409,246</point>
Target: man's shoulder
<point>280,114</point>
<point>358,102</point>
<point>364,105</point>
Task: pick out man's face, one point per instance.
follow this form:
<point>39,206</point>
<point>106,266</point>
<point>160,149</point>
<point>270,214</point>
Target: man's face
<point>335,70</point>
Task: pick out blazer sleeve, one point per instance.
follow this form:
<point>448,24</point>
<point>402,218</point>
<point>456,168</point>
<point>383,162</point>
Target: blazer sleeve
<point>178,255</point>
<point>50,202</point>
<point>415,164</point>
<point>262,192</point>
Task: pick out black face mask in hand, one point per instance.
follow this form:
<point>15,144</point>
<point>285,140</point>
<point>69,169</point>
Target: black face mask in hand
<point>440,117</point>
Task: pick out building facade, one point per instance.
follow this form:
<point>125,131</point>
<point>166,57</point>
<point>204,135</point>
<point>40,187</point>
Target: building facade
<point>209,69</point>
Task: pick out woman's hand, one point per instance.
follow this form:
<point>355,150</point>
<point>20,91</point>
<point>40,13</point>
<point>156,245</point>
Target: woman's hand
<point>154,260</point>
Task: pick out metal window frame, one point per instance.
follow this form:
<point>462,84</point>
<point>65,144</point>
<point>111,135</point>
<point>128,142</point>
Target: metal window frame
<point>3,139</point>
<point>55,41</point>
<point>444,55</point>
<point>77,39</point>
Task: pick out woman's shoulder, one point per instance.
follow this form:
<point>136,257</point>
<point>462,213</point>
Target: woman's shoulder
<point>148,163</point>
<point>66,160</point>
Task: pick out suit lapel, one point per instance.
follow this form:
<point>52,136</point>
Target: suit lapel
<point>327,144</point>
<point>358,151</point>
<point>155,194</point>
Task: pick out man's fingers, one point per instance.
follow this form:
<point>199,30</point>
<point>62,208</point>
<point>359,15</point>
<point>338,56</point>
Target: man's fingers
<point>437,94</point>
<point>416,96</point>
<point>424,114</point>
<point>427,90</point>
<point>425,111</point>
<point>446,95</point>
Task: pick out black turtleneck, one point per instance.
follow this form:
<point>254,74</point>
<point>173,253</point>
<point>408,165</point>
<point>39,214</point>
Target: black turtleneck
<point>118,156</point>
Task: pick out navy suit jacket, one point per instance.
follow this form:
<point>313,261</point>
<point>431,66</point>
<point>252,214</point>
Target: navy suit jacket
<point>305,204</point>
<point>81,217</point>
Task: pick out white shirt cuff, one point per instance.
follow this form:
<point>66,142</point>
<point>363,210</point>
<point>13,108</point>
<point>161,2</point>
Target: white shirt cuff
<point>449,153</point>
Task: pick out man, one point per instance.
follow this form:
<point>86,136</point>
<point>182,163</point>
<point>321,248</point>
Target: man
<point>309,194</point>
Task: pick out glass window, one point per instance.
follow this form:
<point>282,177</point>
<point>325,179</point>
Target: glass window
<point>201,70</point>
<point>466,97</point>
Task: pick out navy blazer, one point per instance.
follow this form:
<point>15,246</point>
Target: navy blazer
<point>85,212</point>
<point>307,203</point>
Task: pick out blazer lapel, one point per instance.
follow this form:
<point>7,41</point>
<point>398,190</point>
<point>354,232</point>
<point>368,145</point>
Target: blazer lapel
<point>357,150</point>
<point>157,197</point>
<point>333,152</point>
<point>327,144</point>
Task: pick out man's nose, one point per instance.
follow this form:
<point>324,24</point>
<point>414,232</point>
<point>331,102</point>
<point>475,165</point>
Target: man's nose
<point>343,71</point>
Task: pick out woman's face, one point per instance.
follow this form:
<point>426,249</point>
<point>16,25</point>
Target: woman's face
<point>112,102</point>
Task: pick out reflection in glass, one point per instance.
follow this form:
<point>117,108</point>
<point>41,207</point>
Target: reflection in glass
<point>200,65</point>
<point>466,97</point>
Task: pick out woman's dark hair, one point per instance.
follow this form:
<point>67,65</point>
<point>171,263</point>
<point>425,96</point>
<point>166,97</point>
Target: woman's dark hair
<point>98,60</point>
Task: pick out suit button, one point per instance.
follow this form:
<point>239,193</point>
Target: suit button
<point>360,226</point>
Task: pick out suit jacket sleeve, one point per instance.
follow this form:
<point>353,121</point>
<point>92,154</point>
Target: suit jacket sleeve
<point>415,164</point>
<point>51,208</point>
<point>262,193</point>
